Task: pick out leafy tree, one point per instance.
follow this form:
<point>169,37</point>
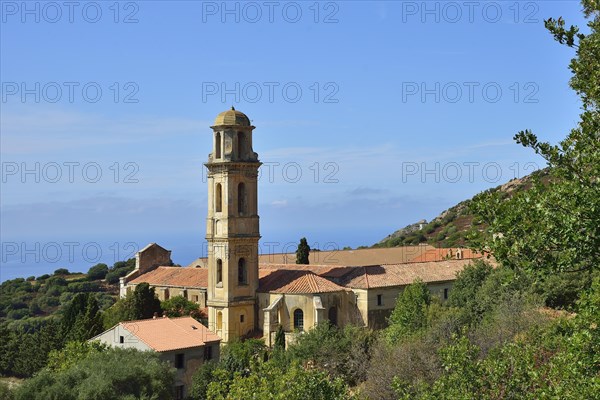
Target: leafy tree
<point>72,312</point>
<point>341,352</point>
<point>142,303</point>
<point>98,271</point>
<point>270,382</point>
<point>238,356</point>
<point>145,304</point>
<point>8,349</point>
<point>201,379</point>
<point>30,349</point>
<point>72,353</point>
<point>179,306</point>
<point>114,374</point>
<point>562,290</point>
<point>555,225</point>
<point>120,269</point>
<point>467,283</point>
<point>89,324</point>
<point>5,392</point>
<point>61,271</point>
<point>302,252</point>
<point>410,314</point>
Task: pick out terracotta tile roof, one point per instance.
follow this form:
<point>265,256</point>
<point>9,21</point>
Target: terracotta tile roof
<point>295,281</point>
<point>168,334</point>
<point>361,257</point>
<point>444,254</point>
<point>403,274</point>
<point>175,276</point>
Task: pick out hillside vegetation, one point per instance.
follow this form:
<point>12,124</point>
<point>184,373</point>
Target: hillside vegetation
<point>25,302</point>
<point>454,226</point>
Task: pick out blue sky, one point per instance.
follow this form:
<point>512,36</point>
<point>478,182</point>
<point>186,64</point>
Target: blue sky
<point>369,116</point>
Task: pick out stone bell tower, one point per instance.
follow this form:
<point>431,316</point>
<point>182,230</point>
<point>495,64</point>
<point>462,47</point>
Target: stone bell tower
<point>232,227</point>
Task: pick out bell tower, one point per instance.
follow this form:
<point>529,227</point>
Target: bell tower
<point>232,227</point>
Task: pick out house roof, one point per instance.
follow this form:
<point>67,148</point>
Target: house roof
<point>175,276</point>
<point>379,276</point>
<point>295,281</point>
<point>358,257</point>
<point>168,334</point>
<point>433,265</point>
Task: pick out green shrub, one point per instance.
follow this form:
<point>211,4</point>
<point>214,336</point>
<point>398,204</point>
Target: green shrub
<point>98,271</point>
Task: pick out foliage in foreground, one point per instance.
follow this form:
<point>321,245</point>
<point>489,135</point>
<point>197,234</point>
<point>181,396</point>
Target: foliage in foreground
<point>113,374</point>
<point>248,370</point>
<point>562,362</point>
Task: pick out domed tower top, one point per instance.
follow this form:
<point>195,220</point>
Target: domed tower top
<point>232,118</point>
<point>232,133</point>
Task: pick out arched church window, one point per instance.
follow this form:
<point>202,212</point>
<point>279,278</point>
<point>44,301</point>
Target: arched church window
<point>218,198</point>
<point>218,145</point>
<point>242,272</point>
<point>219,272</point>
<point>219,320</point>
<point>298,319</point>
<point>241,198</point>
<point>240,145</point>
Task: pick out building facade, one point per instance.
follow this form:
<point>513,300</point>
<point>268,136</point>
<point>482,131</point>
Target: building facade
<point>182,342</point>
<point>247,295</point>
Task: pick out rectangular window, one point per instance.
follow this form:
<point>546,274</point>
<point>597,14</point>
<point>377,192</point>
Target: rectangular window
<point>121,339</point>
<point>195,298</point>
<point>208,353</point>
<point>179,360</point>
<point>242,318</point>
<point>179,392</point>
<point>445,293</point>
<point>379,299</point>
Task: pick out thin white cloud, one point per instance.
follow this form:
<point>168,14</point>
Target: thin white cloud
<point>33,130</point>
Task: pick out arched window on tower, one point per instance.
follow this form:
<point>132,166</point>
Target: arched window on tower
<point>218,145</point>
<point>219,272</point>
<point>218,198</point>
<point>219,320</point>
<point>242,272</point>
<point>241,198</point>
<point>298,319</point>
<point>241,145</point>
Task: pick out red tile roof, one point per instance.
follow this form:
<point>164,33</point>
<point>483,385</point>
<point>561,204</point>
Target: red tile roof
<point>358,257</point>
<point>295,281</point>
<point>168,334</point>
<point>175,276</point>
<point>434,265</point>
<point>403,274</point>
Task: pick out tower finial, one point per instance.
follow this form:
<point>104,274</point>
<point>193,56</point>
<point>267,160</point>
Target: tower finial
<point>232,108</point>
